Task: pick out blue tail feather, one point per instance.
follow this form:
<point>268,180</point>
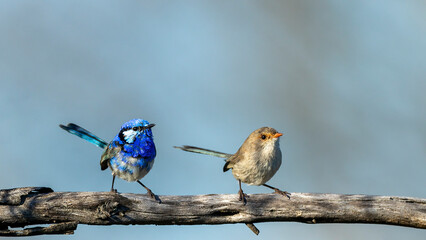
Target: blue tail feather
<point>84,134</point>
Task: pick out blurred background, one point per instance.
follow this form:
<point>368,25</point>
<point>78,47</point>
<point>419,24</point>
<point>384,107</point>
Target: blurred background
<point>345,82</point>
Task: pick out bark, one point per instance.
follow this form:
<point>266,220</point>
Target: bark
<point>64,210</point>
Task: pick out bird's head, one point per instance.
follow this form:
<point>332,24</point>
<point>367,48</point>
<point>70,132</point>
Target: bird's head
<point>135,128</point>
<point>264,139</point>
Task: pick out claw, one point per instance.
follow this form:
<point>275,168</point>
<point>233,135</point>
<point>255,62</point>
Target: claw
<point>152,195</point>
<point>242,197</point>
<point>284,193</point>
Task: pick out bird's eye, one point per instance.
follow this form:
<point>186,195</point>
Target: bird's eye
<point>135,129</point>
<point>263,136</point>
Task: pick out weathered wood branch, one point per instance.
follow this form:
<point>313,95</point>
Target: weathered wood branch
<point>31,206</point>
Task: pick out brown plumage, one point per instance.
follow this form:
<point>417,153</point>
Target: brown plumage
<point>255,162</point>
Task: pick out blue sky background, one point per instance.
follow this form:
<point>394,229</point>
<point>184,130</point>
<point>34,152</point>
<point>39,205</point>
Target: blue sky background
<point>345,81</point>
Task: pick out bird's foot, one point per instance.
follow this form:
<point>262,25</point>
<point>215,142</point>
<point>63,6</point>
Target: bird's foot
<point>152,195</point>
<point>284,193</point>
<point>113,190</point>
<point>243,197</point>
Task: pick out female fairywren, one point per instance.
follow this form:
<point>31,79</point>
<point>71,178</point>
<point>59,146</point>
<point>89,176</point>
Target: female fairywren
<point>257,160</point>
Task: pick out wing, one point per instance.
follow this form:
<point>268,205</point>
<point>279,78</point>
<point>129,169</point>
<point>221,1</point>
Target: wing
<point>233,159</point>
<point>230,162</point>
<point>110,152</point>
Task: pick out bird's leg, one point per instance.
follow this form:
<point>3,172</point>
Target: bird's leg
<point>284,193</point>
<point>112,186</point>
<point>242,194</point>
<point>150,193</point>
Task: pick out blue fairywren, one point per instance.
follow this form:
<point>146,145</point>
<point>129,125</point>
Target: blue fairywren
<point>257,160</point>
<point>130,155</point>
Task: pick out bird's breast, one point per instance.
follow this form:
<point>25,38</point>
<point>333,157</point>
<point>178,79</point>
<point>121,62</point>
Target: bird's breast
<point>258,167</point>
<point>130,168</point>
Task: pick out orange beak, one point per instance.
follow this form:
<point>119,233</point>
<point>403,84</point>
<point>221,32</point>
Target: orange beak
<point>276,135</point>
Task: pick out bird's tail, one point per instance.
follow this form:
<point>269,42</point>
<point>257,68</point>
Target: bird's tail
<point>83,133</point>
<point>204,151</point>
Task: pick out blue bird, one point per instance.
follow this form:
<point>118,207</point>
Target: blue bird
<point>130,155</point>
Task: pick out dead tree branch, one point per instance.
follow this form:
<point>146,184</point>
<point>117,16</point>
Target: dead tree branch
<point>64,210</point>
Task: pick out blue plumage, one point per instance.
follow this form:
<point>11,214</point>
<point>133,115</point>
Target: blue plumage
<point>83,133</point>
<point>130,155</point>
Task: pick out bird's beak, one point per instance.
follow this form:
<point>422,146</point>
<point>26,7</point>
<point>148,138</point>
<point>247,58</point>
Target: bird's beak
<point>277,135</point>
<point>150,125</point>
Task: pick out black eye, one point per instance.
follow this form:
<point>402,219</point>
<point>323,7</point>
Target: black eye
<point>263,136</point>
<point>135,128</point>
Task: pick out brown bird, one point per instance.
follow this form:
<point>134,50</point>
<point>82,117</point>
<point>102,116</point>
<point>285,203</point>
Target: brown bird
<point>257,160</point>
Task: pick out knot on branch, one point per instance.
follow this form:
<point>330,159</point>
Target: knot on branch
<point>224,212</point>
<point>109,209</point>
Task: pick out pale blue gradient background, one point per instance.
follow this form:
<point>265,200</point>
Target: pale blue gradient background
<point>345,82</point>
